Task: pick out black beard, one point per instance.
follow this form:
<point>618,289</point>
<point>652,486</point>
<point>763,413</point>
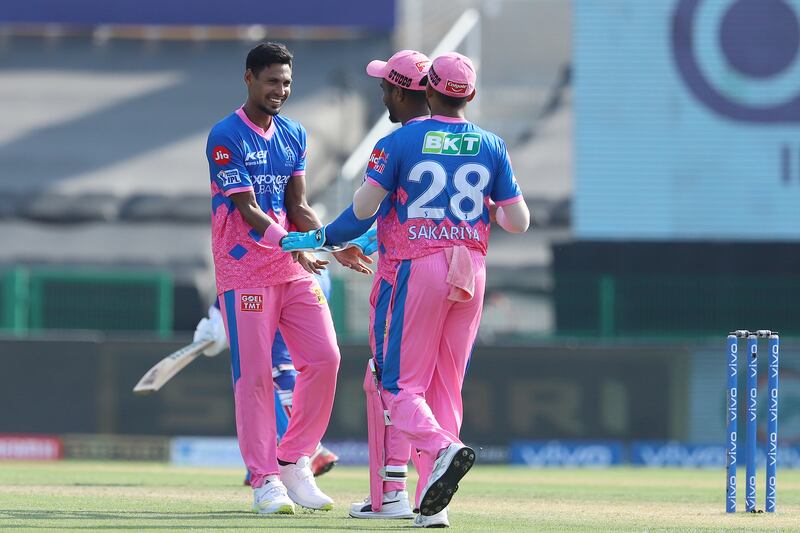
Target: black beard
<point>393,119</point>
<point>267,111</point>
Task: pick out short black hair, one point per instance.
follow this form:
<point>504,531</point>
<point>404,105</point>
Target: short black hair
<point>266,54</point>
<point>456,102</point>
<point>416,95</point>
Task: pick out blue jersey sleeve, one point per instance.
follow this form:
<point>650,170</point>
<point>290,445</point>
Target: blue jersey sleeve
<point>347,227</point>
<point>382,165</point>
<point>505,186</point>
<point>300,162</point>
<point>226,164</point>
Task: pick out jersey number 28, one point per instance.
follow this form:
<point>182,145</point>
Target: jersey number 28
<point>418,208</point>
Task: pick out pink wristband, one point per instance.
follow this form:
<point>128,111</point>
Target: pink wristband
<point>273,235</point>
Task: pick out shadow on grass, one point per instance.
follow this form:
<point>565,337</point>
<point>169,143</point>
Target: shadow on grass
<point>142,519</point>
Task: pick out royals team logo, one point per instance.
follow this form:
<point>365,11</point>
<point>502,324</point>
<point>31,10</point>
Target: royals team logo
<point>221,155</point>
<point>252,303</point>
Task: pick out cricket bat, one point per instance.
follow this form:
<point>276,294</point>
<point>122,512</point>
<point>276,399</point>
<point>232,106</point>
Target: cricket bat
<point>165,370</point>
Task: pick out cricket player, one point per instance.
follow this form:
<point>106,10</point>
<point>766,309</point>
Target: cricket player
<point>283,374</point>
<point>257,162</point>
<point>442,175</point>
<point>403,80</point>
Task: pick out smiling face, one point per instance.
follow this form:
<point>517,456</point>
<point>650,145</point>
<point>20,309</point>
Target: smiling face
<point>270,88</point>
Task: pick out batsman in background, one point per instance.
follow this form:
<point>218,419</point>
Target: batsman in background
<point>441,175</point>
<point>403,80</point>
<point>283,374</point>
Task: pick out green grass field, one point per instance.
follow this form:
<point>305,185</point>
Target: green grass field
<point>145,496</point>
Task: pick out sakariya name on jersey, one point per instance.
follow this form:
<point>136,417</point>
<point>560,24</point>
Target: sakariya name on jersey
<point>443,232</point>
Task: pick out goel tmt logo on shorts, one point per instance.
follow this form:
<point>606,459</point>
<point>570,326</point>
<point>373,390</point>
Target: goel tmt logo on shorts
<point>443,143</point>
<point>252,303</point>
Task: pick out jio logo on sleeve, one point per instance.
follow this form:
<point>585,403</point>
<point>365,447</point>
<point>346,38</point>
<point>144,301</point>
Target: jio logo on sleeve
<point>741,58</point>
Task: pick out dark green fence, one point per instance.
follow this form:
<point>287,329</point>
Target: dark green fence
<point>632,305</point>
<point>43,299</point>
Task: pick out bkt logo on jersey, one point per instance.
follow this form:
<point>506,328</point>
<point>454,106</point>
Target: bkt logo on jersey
<point>229,177</point>
<point>440,142</point>
<point>255,158</point>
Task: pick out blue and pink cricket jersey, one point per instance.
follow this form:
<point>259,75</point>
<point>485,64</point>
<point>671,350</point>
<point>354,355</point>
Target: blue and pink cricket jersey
<point>261,289</point>
<point>243,157</point>
<point>440,174</point>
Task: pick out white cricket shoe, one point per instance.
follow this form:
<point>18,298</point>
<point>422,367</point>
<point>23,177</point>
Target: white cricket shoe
<point>271,498</point>
<point>395,505</point>
<point>452,465</point>
<point>302,488</point>
<point>437,520</point>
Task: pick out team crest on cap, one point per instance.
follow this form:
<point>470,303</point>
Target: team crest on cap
<point>422,65</point>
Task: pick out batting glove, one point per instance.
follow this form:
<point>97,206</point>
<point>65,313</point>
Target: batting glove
<point>367,243</point>
<point>297,241</point>
<point>212,329</point>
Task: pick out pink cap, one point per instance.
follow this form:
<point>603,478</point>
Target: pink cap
<point>452,74</point>
<point>405,69</point>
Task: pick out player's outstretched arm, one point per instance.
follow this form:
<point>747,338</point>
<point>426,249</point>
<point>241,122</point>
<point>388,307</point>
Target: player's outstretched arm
<point>347,227</point>
<point>314,240</point>
<point>514,218</point>
<point>305,219</point>
<point>367,199</point>
<point>346,230</point>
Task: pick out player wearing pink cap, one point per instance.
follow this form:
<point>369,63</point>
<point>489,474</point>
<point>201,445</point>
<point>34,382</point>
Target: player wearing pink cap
<point>403,80</point>
<point>441,176</point>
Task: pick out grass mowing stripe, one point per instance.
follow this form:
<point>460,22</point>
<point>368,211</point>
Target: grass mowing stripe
<point>121,496</point>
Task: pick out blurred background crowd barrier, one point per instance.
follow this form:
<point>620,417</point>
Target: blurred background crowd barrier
<point>655,142</point>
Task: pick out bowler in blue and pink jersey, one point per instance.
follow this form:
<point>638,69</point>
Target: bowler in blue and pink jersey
<point>257,162</point>
<point>444,176</point>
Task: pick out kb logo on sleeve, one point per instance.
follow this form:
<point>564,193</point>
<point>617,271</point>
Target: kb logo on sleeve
<point>440,142</point>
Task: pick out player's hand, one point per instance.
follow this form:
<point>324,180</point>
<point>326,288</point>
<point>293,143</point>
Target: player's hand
<point>212,329</point>
<point>354,259</point>
<point>303,240</point>
<point>367,243</point>
<point>309,262</point>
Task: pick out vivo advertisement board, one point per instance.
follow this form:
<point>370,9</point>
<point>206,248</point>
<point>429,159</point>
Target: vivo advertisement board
<point>687,119</point>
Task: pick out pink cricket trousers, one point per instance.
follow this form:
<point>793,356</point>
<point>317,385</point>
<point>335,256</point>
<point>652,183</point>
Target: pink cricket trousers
<point>251,318</point>
<point>426,352</point>
<point>397,450</point>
